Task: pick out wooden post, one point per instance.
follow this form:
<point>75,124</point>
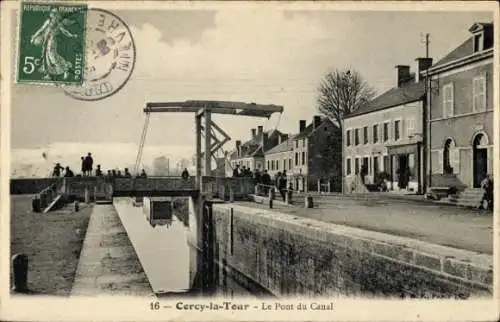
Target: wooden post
<point>319,185</point>
<point>198,151</point>
<point>77,206</point>
<point>20,264</point>
<point>208,142</point>
<point>36,204</point>
<point>309,201</point>
<point>231,194</point>
<point>87,195</point>
<point>271,197</point>
<point>288,197</point>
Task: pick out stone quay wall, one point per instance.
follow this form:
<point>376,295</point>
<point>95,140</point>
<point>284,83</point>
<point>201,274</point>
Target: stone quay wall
<point>292,256</point>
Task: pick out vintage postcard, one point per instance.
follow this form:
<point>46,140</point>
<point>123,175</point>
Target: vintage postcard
<point>269,161</point>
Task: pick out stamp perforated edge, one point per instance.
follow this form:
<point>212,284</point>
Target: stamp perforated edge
<point>17,44</point>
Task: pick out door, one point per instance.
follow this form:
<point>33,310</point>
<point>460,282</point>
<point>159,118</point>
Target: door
<point>480,166</point>
<point>403,171</point>
<point>480,160</point>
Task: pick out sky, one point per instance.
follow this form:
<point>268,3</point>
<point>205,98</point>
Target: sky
<point>262,56</point>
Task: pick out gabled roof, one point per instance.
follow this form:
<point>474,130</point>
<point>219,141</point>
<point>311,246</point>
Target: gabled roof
<point>466,48</point>
<point>407,93</point>
<point>283,147</point>
<point>309,130</point>
<point>253,147</point>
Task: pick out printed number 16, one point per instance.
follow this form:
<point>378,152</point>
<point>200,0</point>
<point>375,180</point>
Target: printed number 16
<point>30,63</point>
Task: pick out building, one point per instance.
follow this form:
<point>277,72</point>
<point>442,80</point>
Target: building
<point>251,153</point>
<point>280,158</point>
<point>161,166</point>
<point>460,109</point>
<point>385,136</point>
<point>316,155</point>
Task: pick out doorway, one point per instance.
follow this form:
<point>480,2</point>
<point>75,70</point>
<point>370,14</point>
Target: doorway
<point>403,176</point>
<point>480,159</point>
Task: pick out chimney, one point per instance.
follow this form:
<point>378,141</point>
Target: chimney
<point>265,139</point>
<point>422,65</point>
<point>316,121</point>
<point>302,126</point>
<point>253,133</point>
<point>260,129</point>
<point>403,74</point>
<point>238,147</point>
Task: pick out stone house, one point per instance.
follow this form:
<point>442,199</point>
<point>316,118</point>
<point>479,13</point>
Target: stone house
<point>250,154</point>
<point>386,134</point>
<point>316,155</point>
<point>460,109</point>
<point>280,157</point>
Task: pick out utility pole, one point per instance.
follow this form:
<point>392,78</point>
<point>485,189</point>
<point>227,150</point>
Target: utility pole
<point>426,129</point>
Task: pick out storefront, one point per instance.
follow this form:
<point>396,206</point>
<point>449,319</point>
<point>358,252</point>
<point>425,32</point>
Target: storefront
<point>405,166</point>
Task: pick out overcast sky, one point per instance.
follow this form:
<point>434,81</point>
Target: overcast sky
<point>255,56</point>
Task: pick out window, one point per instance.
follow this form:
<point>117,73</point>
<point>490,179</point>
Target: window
<point>290,163</point>
<point>297,144</point>
<point>478,42</point>
<point>387,164</point>
<point>356,136</point>
<point>268,167</point>
<point>479,94</point>
<point>375,165</point>
<point>448,100</point>
<point>303,158</point>
<point>284,164</point>
<point>447,154</point>
<point>365,135</point>
<point>375,133</point>
<point>386,132</point>
<point>304,143</point>
<point>348,166</point>
<point>348,138</point>
<point>296,158</point>
<point>356,166</point>
<point>410,126</point>
<point>397,129</point>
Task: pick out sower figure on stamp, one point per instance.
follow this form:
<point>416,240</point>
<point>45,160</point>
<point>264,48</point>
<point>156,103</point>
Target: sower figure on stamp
<point>52,62</point>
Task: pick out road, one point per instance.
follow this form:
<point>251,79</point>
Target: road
<point>445,225</point>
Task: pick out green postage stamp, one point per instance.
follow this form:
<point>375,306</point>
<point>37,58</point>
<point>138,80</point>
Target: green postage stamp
<point>51,43</point>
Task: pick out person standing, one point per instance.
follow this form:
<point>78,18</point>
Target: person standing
<point>84,166</point>
<point>89,163</point>
<point>487,185</point>
<point>185,174</point>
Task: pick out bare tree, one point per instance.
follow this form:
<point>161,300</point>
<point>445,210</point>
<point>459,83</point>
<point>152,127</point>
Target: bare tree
<point>342,92</point>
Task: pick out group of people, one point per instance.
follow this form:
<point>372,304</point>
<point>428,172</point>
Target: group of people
<point>87,170</point>
<point>264,181</point>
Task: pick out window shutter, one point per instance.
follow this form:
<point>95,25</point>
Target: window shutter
<point>455,160</point>
<point>440,160</point>
<point>451,101</point>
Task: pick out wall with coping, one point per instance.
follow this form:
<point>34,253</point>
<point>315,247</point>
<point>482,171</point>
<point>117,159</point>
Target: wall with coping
<point>291,256</point>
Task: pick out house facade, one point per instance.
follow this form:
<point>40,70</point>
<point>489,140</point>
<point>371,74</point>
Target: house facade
<point>460,109</point>
<point>251,153</point>
<point>385,136</point>
<point>279,158</point>
<point>316,155</point>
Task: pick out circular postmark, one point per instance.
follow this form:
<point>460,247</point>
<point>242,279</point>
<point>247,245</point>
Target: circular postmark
<point>109,57</point>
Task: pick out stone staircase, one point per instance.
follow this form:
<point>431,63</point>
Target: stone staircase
<point>469,197</point>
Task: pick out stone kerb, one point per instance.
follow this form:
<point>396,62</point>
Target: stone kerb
<point>458,265</point>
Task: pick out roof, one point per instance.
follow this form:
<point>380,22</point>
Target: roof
<point>407,93</point>
<point>307,131</point>
<point>283,146</point>
<point>252,147</point>
<point>465,49</point>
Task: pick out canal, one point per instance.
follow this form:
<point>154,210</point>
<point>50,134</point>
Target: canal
<point>181,269</point>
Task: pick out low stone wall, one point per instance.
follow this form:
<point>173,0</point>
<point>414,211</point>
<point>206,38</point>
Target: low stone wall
<point>292,256</point>
<point>30,186</point>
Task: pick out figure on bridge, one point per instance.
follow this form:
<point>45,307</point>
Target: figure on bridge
<point>143,174</point>
<point>68,173</point>
<point>57,170</point>
<point>89,162</point>
<point>185,174</point>
<point>127,173</point>
<point>98,171</point>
